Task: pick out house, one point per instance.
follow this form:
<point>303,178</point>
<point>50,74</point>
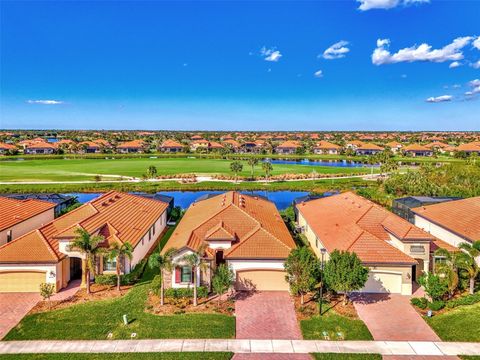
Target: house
<point>325,147</point>
<point>17,217</point>
<point>45,255</point>
<point>368,149</point>
<point>288,147</point>
<point>354,144</point>
<point>395,251</point>
<point>469,148</point>
<point>215,146</point>
<point>61,201</point>
<point>394,146</point>
<point>171,146</point>
<point>39,148</point>
<point>250,147</point>
<point>233,144</point>
<point>245,232</point>
<point>134,146</point>
<point>89,147</point>
<point>199,144</point>
<point>414,150</point>
<point>453,222</point>
<point>438,146</point>
<point>403,206</point>
<point>7,148</point>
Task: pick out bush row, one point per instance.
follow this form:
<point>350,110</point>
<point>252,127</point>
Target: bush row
<point>423,303</point>
<point>180,293</point>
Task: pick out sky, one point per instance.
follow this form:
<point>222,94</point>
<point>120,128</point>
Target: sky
<point>367,65</point>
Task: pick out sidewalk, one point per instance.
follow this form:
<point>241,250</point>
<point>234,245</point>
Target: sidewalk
<point>411,348</point>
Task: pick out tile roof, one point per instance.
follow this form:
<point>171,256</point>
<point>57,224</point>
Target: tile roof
<point>326,145</point>
<point>369,146</point>
<point>136,144</point>
<point>416,147</point>
<point>7,146</point>
<point>171,143</point>
<point>352,223</point>
<point>289,144</point>
<point>117,216</point>
<point>13,211</point>
<point>460,216</point>
<point>253,221</point>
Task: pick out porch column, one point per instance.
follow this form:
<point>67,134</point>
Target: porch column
<point>83,284</point>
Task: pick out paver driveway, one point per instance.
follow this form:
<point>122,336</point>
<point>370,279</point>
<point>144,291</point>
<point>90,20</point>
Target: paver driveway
<point>14,306</point>
<point>266,315</point>
<point>391,317</point>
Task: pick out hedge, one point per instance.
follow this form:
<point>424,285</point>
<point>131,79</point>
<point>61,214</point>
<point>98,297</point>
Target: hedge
<point>419,302</point>
<point>178,293</point>
<point>464,300</point>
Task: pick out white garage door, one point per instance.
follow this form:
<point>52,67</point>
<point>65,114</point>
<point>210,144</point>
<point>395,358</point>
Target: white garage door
<point>261,280</point>
<point>21,281</point>
<point>383,282</point>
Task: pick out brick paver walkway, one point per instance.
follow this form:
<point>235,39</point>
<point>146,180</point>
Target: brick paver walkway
<point>66,293</point>
<point>14,306</point>
<point>391,317</point>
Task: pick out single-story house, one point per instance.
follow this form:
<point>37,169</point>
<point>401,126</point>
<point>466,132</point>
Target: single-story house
<point>5,148</point>
<point>40,148</point>
<point>45,255</point>
<point>245,232</point>
<point>417,150</point>
<point>454,221</point>
<point>394,146</point>
<point>469,148</point>
<point>171,146</point>
<point>395,251</point>
<point>17,217</point>
<point>134,146</point>
<point>288,147</point>
<point>199,144</point>
<point>325,147</point>
<point>368,149</point>
<point>89,147</point>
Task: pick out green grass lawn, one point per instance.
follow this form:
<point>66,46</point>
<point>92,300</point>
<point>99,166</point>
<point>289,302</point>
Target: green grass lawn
<point>86,169</point>
<point>459,324</point>
<point>121,356</point>
<point>94,320</point>
<point>332,323</point>
<point>335,356</point>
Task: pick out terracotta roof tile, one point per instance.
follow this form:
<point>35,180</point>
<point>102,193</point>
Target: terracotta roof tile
<point>13,211</point>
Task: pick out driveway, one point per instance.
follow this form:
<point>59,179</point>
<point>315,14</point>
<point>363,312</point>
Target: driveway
<point>14,307</point>
<point>391,317</point>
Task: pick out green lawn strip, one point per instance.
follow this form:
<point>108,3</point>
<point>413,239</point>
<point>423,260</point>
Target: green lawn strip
<point>333,323</point>
<point>336,356</point>
<point>459,324</point>
<point>121,356</point>
<point>85,169</point>
<point>305,185</point>
<point>469,357</point>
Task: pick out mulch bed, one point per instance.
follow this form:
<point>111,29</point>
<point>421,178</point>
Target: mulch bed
<point>98,292</point>
<point>335,302</point>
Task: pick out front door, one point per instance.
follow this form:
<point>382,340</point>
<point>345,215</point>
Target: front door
<point>75,268</point>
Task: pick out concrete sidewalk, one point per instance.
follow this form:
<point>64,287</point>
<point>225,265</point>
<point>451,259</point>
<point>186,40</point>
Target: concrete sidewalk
<point>409,348</point>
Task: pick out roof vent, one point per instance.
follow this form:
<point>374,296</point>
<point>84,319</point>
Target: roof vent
<point>104,203</point>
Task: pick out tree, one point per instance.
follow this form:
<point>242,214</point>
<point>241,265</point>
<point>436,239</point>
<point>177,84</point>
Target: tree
<point>222,280</point>
<point>119,252</point>
<point>46,291</point>
<point>344,272</point>
<point>303,271</point>
<point>448,269</point>
<point>195,261</point>
<point>434,285</point>
<point>466,260</point>
<point>252,162</point>
<point>151,172</point>
<point>236,167</point>
<point>267,168</point>
<point>164,263</point>
<point>88,246</point>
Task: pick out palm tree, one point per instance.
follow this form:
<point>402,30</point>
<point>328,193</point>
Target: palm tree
<point>152,171</point>
<point>236,167</point>
<point>267,167</point>
<point>195,261</point>
<point>119,252</point>
<point>88,246</point>
<point>467,261</point>
<point>448,270</point>
<point>252,162</point>
<point>164,263</point>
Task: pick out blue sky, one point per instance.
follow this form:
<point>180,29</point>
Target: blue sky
<point>252,65</point>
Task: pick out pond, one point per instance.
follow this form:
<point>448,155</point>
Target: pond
<point>184,199</point>
<point>334,163</point>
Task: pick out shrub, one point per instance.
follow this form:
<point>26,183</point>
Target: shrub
<point>179,293</point>
<point>135,274</point>
<point>464,300</point>
<point>109,279</point>
<point>436,305</point>
<point>421,303</point>
<point>155,284</point>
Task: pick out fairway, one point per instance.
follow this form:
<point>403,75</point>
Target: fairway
<point>86,169</point>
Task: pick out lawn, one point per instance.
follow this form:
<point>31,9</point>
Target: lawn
<point>459,324</point>
<point>86,169</point>
<point>121,356</point>
<point>332,323</point>
<point>94,320</point>
<point>336,356</point>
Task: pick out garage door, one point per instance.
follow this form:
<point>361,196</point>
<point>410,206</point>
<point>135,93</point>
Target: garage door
<point>264,280</point>
<point>383,282</point>
<point>21,281</point>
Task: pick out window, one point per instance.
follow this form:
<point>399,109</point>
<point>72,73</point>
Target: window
<point>316,242</point>
<point>186,274</point>
<point>417,249</point>
<point>153,227</point>
<point>109,264</point>
<point>149,234</point>
<point>9,236</point>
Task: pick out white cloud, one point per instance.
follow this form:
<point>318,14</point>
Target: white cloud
<point>423,52</point>
<point>476,43</point>
<point>387,4</point>
<point>45,102</point>
<point>454,65</point>
<point>437,99</point>
<point>318,74</point>
<point>475,85</point>
<point>336,51</point>
<point>271,54</point>
<point>456,86</point>
<point>476,65</point>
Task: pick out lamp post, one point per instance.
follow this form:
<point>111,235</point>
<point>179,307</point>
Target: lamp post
<point>322,251</point>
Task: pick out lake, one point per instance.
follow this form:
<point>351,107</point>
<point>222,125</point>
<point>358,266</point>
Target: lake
<point>184,199</point>
<point>334,163</point>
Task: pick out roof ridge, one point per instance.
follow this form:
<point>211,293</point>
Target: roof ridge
<point>49,246</point>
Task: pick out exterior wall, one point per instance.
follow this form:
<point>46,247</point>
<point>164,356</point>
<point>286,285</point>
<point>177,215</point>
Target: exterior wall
<point>28,225</point>
<point>325,151</point>
<point>438,231</point>
<point>315,242</point>
<point>406,247</point>
<point>285,150</point>
<point>176,259</point>
<point>219,244</point>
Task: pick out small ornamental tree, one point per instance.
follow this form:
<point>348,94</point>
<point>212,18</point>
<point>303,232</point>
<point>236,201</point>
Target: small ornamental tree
<point>222,280</point>
<point>46,291</point>
<point>303,271</point>
<point>151,172</point>
<point>434,285</point>
<point>267,168</point>
<point>252,162</point>
<point>236,167</point>
<point>344,272</point>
